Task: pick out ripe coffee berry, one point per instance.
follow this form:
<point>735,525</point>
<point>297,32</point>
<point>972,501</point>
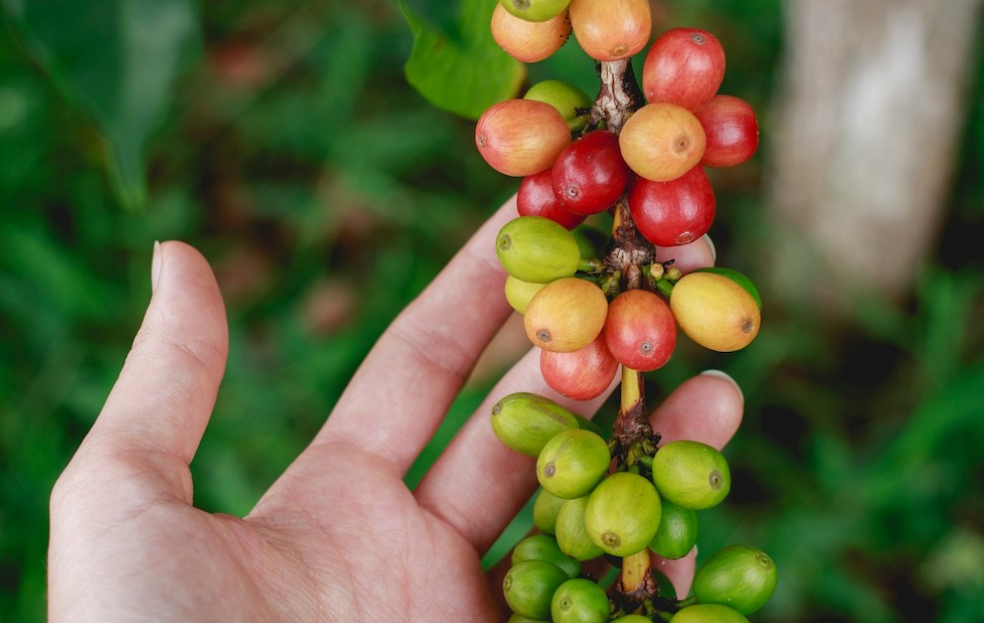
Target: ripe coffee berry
<point>675,212</point>
<point>590,174</point>
<point>731,131</point>
<point>583,374</point>
<point>640,330</point>
<point>528,41</point>
<point>608,30</point>
<point>536,197</point>
<point>520,137</point>
<point>662,141</point>
<point>684,66</point>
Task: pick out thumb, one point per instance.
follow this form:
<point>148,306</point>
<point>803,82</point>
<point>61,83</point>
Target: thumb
<point>161,403</point>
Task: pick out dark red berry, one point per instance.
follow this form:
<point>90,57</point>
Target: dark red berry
<point>590,174</point>
<point>675,212</point>
<point>536,198</point>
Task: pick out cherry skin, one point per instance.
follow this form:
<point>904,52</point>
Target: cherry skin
<point>519,137</point>
<point>536,198</point>
<point>609,30</point>
<point>684,66</point>
<point>662,141</point>
<point>583,374</point>
<point>640,330</point>
<point>675,212</point>
<point>730,129</point>
<point>526,41</point>
<point>590,174</point>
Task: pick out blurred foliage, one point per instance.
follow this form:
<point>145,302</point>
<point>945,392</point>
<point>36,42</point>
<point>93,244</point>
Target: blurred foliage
<point>326,193</point>
<point>460,68</point>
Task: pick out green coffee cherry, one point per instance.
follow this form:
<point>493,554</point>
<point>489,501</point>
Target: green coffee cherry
<point>525,422</point>
<point>518,618</point>
<point>677,531</point>
<point>572,463</point>
<point>546,507</point>
<point>536,249</point>
<point>519,293</point>
<point>707,613</point>
<point>563,96</point>
<point>738,576</point>
<point>622,514</point>
<point>529,586</point>
<point>632,618</point>
<point>691,474</point>
<point>545,548</point>
<point>580,601</point>
<point>571,535</point>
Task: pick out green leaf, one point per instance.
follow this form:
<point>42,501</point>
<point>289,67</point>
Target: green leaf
<point>116,61</point>
<point>463,70</point>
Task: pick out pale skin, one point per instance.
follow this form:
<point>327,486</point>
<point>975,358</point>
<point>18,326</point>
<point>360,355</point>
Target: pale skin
<point>338,537</point>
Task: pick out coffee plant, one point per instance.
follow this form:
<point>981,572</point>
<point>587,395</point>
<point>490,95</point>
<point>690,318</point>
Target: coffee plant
<point>602,306</point>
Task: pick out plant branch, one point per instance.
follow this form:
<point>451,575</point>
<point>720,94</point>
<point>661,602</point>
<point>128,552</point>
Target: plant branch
<point>619,95</point>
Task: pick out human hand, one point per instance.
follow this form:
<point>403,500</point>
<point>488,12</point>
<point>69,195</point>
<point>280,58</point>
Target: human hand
<point>338,537</point>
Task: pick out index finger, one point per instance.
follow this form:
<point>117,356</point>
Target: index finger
<point>706,408</point>
<point>403,389</point>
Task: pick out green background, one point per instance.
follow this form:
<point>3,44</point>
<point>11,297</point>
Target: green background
<point>282,140</point>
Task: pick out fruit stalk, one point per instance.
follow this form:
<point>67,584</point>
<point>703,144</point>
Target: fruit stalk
<point>636,584</point>
<point>619,95</point>
<point>628,251</point>
<point>632,435</point>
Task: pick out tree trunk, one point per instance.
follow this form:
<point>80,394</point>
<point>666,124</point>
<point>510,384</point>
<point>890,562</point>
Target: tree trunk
<point>864,141</point>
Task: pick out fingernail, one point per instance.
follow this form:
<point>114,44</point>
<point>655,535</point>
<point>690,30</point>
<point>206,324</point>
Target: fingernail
<point>155,266</point>
<point>710,243</point>
<point>724,375</point>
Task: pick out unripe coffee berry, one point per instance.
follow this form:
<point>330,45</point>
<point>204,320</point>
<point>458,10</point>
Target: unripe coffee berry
<point>579,601</point>
<point>535,249</point>
<point>525,422</point>
<point>738,576</point>
<point>708,613</point>
<point>544,547</point>
<point>572,463</point>
<point>691,474</point>
<point>677,532</point>
<point>529,586</point>
<point>572,536</point>
<point>622,514</point>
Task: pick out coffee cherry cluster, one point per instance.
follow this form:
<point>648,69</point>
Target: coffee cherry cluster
<point>584,513</point>
<point>572,309</point>
<point>595,305</point>
<point>655,166</point>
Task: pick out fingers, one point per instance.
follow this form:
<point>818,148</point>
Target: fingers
<point>407,383</point>
<point>478,484</point>
<point>706,408</point>
<point>690,256</point>
<point>680,571</point>
<point>164,396</point>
